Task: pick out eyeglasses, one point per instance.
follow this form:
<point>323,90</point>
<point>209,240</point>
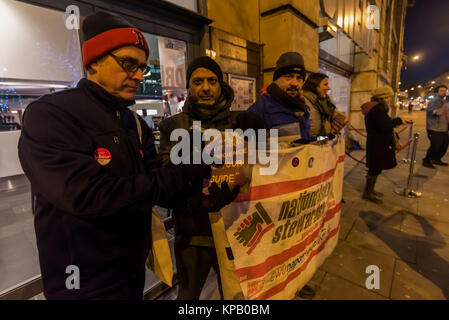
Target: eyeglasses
<point>131,65</point>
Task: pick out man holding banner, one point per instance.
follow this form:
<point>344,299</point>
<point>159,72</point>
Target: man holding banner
<point>282,106</point>
<point>208,101</point>
<point>284,227</point>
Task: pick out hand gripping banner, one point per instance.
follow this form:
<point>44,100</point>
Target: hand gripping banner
<point>282,229</point>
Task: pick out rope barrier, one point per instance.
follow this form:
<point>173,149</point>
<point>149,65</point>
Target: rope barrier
<point>360,133</point>
<point>364,135</point>
<point>402,130</point>
<point>364,163</point>
<point>396,152</point>
<point>404,146</point>
<point>359,161</point>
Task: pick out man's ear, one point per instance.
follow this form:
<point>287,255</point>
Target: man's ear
<point>93,68</point>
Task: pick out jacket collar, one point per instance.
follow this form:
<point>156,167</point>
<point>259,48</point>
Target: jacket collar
<point>366,107</point>
<point>105,99</point>
<point>281,97</point>
<point>324,105</point>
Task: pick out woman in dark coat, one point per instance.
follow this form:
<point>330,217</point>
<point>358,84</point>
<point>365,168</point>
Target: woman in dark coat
<point>380,145</point>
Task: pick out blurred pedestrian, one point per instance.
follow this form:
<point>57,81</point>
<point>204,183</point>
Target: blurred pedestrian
<point>437,129</point>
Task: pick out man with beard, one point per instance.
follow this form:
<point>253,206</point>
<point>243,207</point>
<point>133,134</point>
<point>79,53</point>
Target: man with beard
<point>209,100</point>
<point>281,105</point>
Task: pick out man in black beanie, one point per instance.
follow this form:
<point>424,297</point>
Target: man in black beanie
<point>282,106</point>
<point>92,166</point>
<point>209,101</point>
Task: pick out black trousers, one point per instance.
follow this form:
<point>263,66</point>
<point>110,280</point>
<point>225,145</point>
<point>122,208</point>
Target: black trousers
<point>439,142</point>
<point>374,172</point>
<point>193,264</point>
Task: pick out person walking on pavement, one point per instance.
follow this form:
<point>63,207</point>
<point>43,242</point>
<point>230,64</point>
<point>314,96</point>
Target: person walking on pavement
<point>92,166</point>
<point>437,129</point>
<point>380,143</point>
<point>410,107</point>
<point>282,106</point>
<point>325,119</point>
<point>209,101</point>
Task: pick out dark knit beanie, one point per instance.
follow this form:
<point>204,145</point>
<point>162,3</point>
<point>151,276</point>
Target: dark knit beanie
<point>205,62</point>
<point>104,32</point>
<point>289,62</point>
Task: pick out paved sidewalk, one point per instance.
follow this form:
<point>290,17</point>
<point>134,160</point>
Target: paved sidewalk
<point>408,239</point>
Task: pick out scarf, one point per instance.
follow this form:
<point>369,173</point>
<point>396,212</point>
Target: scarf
<point>324,105</point>
<point>206,112</point>
<point>296,104</point>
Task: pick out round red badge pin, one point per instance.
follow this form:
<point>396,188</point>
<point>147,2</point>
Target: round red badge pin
<point>102,155</point>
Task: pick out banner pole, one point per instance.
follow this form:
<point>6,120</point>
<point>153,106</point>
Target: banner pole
<point>408,191</point>
<point>410,134</point>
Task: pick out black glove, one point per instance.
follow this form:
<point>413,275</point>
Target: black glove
<point>194,172</point>
<point>215,200</point>
<point>218,198</point>
<point>248,120</point>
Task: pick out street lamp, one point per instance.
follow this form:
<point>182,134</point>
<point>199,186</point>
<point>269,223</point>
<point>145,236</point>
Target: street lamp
<point>433,82</point>
<point>419,86</point>
<point>416,57</point>
<point>412,89</point>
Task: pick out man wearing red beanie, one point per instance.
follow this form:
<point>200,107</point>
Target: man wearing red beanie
<point>92,166</point>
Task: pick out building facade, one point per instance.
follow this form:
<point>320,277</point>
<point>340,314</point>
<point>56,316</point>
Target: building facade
<point>357,43</point>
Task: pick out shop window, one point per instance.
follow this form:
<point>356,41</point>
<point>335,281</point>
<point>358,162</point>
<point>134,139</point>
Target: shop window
<point>341,47</point>
<point>38,55</point>
<point>340,89</point>
<point>163,91</point>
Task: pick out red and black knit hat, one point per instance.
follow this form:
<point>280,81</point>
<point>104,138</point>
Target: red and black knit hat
<point>105,32</point>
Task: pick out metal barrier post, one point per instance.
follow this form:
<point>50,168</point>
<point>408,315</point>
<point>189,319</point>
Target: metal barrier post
<point>410,134</point>
<point>408,191</point>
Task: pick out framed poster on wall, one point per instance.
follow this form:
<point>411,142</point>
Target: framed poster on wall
<point>244,91</point>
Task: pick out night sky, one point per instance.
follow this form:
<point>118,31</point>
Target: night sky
<point>427,34</point>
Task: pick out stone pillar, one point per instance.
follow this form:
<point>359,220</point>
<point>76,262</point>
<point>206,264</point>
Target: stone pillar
<point>289,27</point>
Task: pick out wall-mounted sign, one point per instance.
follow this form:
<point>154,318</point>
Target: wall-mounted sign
<point>244,92</point>
<point>173,62</point>
<point>167,67</point>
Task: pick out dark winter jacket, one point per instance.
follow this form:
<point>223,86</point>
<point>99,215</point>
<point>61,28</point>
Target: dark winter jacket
<point>380,146</point>
<point>280,109</point>
<point>192,224</point>
<point>92,211</point>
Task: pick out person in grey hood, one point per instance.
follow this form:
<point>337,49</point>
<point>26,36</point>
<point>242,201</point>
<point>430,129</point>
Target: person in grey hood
<point>437,129</point>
